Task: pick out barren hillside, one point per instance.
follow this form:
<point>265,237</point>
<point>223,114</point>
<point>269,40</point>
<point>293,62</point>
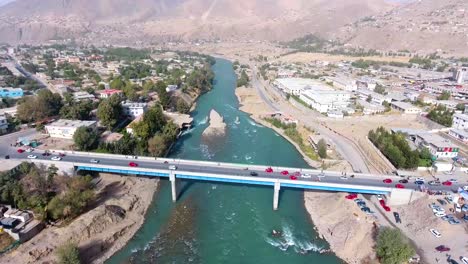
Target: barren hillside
<point>149,20</point>
<point>422,26</point>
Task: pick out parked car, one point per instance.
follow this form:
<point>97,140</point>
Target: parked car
<point>454,221</point>
<point>458,208</point>
<point>387,208</point>
<point>434,183</point>
<point>359,200</point>
<point>439,214</point>
<point>464,260</point>
<point>464,208</point>
<point>379,197</point>
<point>447,183</point>
<point>435,232</point>
<point>29,150</point>
<point>351,196</point>
<point>361,204</point>
<point>449,199</point>
<point>465,218</point>
<point>453,180</point>
<point>55,158</point>
<point>397,217</point>
<point>7,156</point>
<point>442,248</point>
<point>442,202</point>
<point>419,182</point>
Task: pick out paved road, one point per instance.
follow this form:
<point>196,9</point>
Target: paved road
<point>344,146</point>
<point>330,177</point>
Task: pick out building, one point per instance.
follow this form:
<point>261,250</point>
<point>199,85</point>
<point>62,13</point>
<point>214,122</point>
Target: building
<point>11,92</point>
<point>64,128</point>
<point>134,110</point>
<point>406,108</point>
<point>376,98</point>
<point>286,73</point>
<point>437,145</point>
<point>370,109</point>
<point>459,134</point>
<point>460,121</point>
<point>79,96</point>
<point>344,83</point>
<point>449,104</point>
<point>171,88</point>
<point>3,123</point>
<point>108,93</point>
<point>460,75</point>
<point>129,127</point>
<point>19,224</point>
<point>325,99</point>
<point>295,86</point>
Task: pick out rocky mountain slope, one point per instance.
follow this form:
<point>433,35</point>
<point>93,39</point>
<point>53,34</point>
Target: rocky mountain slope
<point>421,26</point>
<point>111,21</point>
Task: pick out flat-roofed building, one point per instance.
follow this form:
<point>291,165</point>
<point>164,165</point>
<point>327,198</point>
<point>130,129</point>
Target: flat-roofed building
<point>459,134</point>
<point>343,83</point>
<point>376,98</point>
<point>325,99</point>
<point>406,108</point>
<point>64,128</point>
<point>370,109</point>
<point>437,145</point>
<point>108,93</point>
<point>295,86</point>
<point>11,92</point>
<point>80,96</point>
<point>460,121</point>
<point>134,110</point>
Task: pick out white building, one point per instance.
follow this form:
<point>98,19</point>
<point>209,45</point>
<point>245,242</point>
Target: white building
<point>64,128</point>
<point>376,98</point>
<point>295,86</point>
<point>3,123</point>
<point>459,134</point>
<point>370,109</point>
<point>406,108</point>
<point>460,121</point>
<point>344,83</point>
<point>460,75</point>
<point>134,110</point>
<point>171,88</point>
<point>79,96</point>
<point>437,145</point>
<point>325,99</point>
<point>108,93</point>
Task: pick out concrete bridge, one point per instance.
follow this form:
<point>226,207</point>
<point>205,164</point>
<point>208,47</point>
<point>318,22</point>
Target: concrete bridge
<point>228,172</point>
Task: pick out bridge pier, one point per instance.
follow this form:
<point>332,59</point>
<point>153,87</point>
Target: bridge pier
<point>172,178</point>
<point>276,195</point>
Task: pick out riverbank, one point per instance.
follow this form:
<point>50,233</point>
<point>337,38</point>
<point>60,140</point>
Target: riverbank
<point>121,202</point>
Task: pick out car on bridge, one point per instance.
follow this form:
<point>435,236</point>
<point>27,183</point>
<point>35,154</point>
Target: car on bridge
<point>306,176</point>
<point>253,173</point>
<point>94,161</point>
<point>344,177</point>
<point>399,186</point>
<point>285,172</point>
<point>20,150</point>
<point>32,157</point>
<point>447,183</point>
<point>292,177</point>
<point>269,170</point>
<point>133,164</point>
<point>56,158</point>
<point>403,181</point>
<point>387,181</point>
<point>173,167</point>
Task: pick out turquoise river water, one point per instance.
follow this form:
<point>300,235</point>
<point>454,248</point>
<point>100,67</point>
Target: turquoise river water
<point>227,223</point>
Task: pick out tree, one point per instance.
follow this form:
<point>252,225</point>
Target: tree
<point>77,110</point>
<point>182,107</point>
<point>85,138</point>
<point>45,104</point>
<point>157,145</point>
<point>164,97</point>
<point>379,89</point>
<point>109,111</point>
<point>460,107</point>
<point>393,247</point>
<point>369,98</point>
<point>68,253</point>
<point>322,148</point>
<point>445,95</point>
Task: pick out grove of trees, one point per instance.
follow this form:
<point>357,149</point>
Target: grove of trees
<point>392,247</point>
<point>109,111</point>
<point>441,115</point>
<point>37,108</point>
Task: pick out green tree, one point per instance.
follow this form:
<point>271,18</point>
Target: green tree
<point>460,107</point>
<point>45,104</point>
<point>322,148</point>
<point>182,107</point>
<point>68,253</point>
<point>445,95</point>
<point>379,89</point>
<point>164,97</point>
<point>85,138</point>
<point>109,111</point>
<point>77,110</point>
<point>157,146</point>
<point>393,247</point>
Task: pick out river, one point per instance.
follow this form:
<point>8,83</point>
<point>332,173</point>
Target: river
<point>227,223</point>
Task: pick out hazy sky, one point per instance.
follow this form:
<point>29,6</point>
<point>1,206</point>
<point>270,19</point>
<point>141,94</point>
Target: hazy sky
<point>4,2</point>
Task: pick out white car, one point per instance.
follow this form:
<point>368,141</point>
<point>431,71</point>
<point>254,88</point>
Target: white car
<point>344,177</point>
<point>464,260</point>
<point>453,180</point>
<point>379,197</point>
<point>465,188</point>
<point>438,210</point>
<point>29,150</point>
<point>306,176</point>
<point>321,175</point>
<point>94,161</point>
<point>439,214</point>
<point>32,157</point>
<point>420,179</point>
<point>56,158</point>
<point>435,232</point>
<point>458,208</point>
<point>173,167</point>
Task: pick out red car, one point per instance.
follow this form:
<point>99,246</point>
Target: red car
<point>447,183</point>
<point>387,181</point>
<point>292,177</point>
<point>132,164</point>
<point>269,170</point>
<point>351,196</point>
<point>61,155</point>
<point>285,172</point>
<point>386,208</point>
<point>20,150</point>
<point>442,248</point>
<point>399,186</point>
<point>382,202</point>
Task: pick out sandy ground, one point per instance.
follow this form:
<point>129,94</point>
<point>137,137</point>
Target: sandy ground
<point>99,232</point>
<point>308,57</point>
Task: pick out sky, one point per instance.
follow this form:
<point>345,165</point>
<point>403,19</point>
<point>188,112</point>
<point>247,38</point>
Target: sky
<point>4,2</point>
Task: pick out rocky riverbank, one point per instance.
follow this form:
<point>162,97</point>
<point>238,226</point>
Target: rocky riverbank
<point>216,127</point>
<point>115,217</point>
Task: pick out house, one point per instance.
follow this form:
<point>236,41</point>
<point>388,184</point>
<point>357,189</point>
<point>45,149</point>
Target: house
<point>3,123</point>
<point>437,145</point>
<point>376,98</point>
<point>108,93</point>
<point>460,121</point>
<point>295,86</point>
<point>459,134</point>
<point>406,108</point>
<point>134,110</point>
<point>11,92</point>
<point>129,127</point>
<point>79,96</point>
<point>19,224</point>
<point>64,128</point>
<point>370,109</point>
<point>343,83</point>
<point>171,88</point>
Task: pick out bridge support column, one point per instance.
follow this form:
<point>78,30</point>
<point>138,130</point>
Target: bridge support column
<point>172,178</point>
<point>276,195</point>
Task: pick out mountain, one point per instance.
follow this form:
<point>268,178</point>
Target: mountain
<point>111,21</point>
<point>421,26</point>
